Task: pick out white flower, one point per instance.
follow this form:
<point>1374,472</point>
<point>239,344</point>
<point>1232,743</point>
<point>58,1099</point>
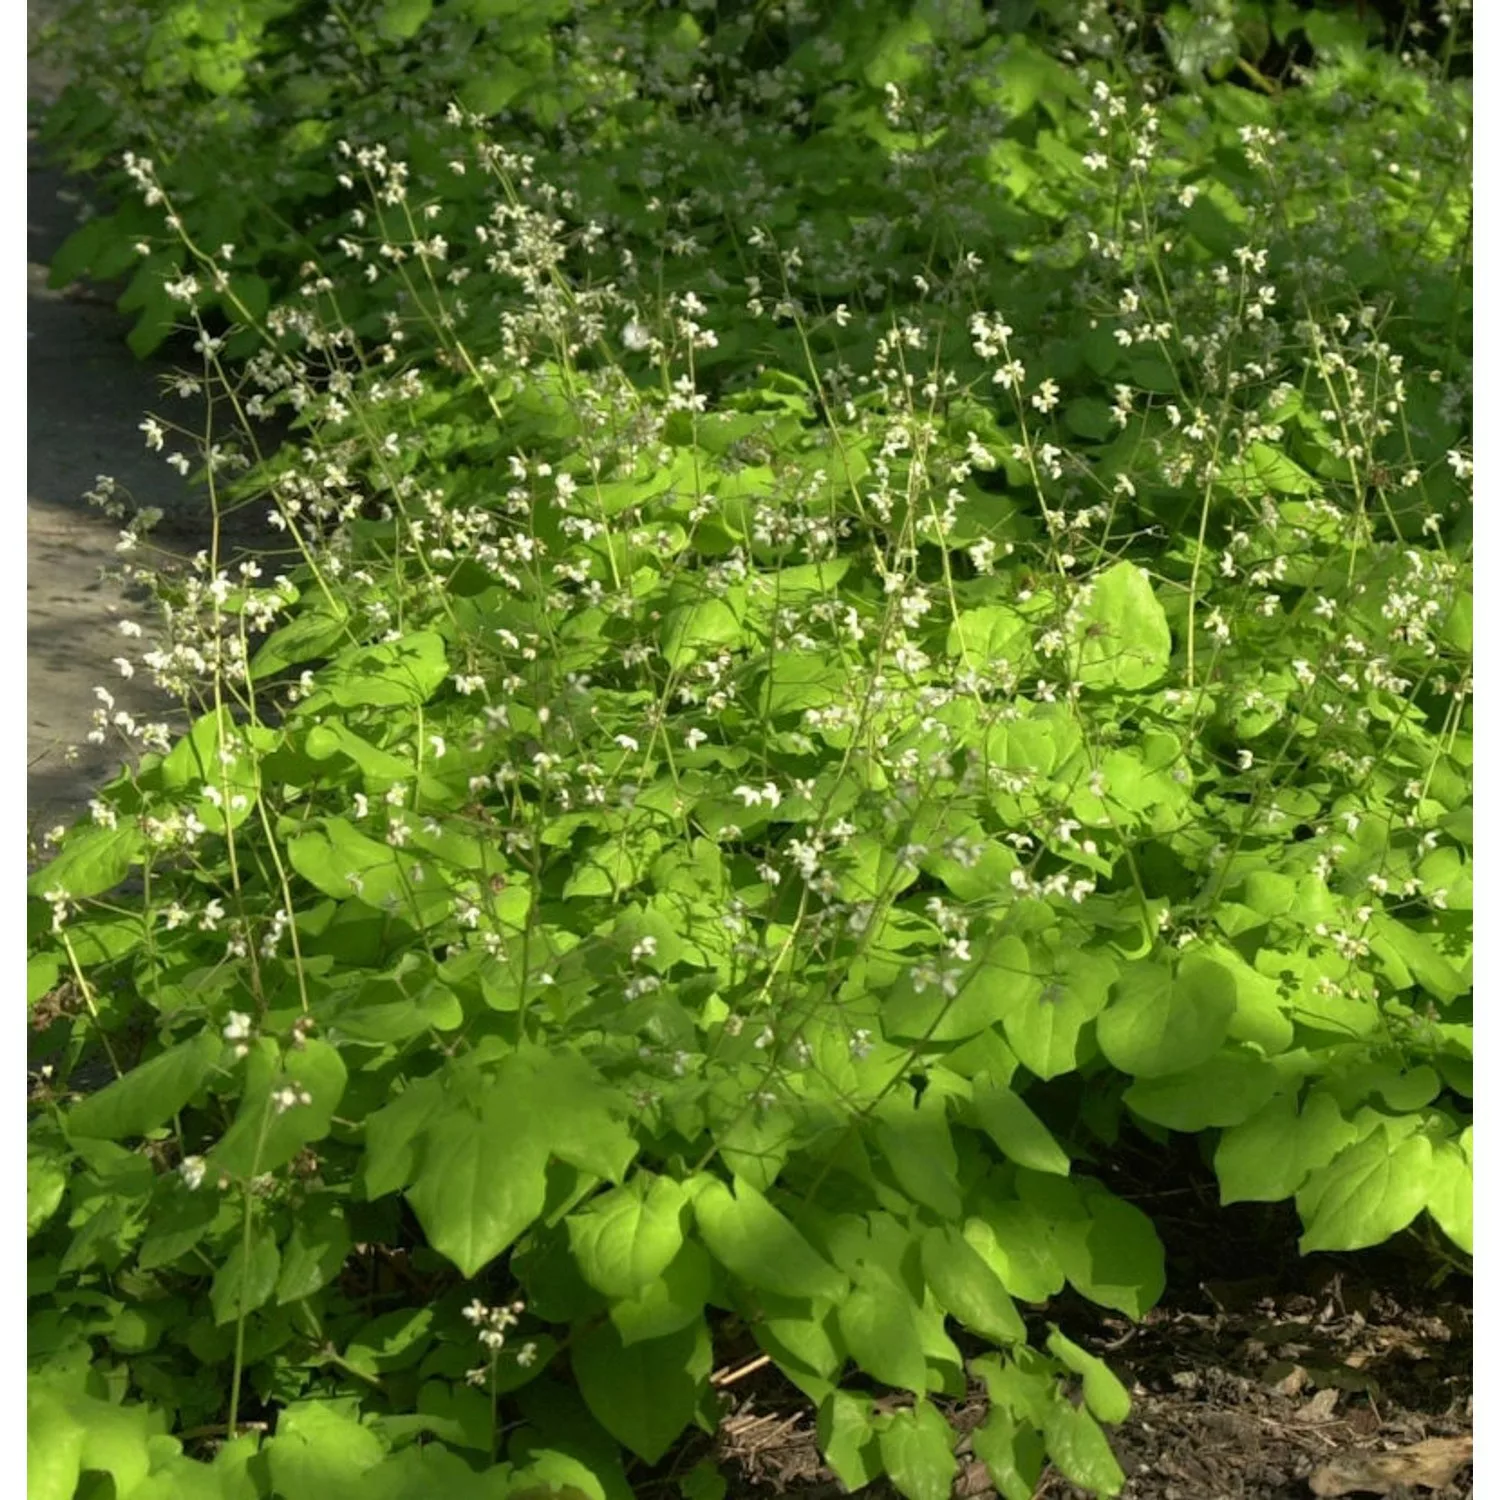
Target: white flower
<point>635,336</point>
<point>237,1028</point>
<point>754,796</point>
<point>1011,374</point>
<point>192,1169</point>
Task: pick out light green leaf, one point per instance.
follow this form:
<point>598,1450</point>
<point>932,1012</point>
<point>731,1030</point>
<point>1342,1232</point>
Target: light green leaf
<point>750,1238</point>
<point>643,1394</point>
<point>118,1440</point>
<point>400,20</point>
<point>582,1113</point>
<point>1008,1121</point>
<point>1267,468</point>
<point>340,861</point>
<point>797,681</point>
<point>690,628</point>
<point>1122,638</point>
<point>704,1481</point>
<point>545,1474</point>
<point>393,1341</point>
<point>54,1446</point>
<point>1080,1450</point>
<point>982,638</point>
<point>265,1135</point>
<point>1447,871</point>
<point>46,1182</point>
<point>1269,1156</point>
<point>1367,1193</point>
<point>179,1225</point>
<point>1159,1022</point>
<point>1450,1194</point>
<point>918,1147</point>
<point>670,1303</point>
<point>1418,954</point>
<point>321,1449</point>
<point>93,859</point>
<point>149,1095</point>
<point>801,1333</point>
<point>311,634</point>
<point>393,1133</point>
<point>395,674</point>
<point>847,1438</point>
<point>1227,1089</point>
<point>990,990</point>
<point>315,1253</point>
<point>624,1240</point>
<point>966,1286</point>
<point>1041,741</point>
<point>331,738</point>
<point>1014,1455</point>
<point>1107,1247</point>
<point>1013,1240</point>
<point>42,971</point>
<point>611,866</point>
<point>247,1277</point>
<point>1103,1392</point>
<point>916,1448</point>
<point>1259,1011</point>
<point>1089,417</point>
<point>221,755</point>
<point>1044,1027</point>
<point>482,1179</point>
<point>878,1323</point>
<point>379,1012</point>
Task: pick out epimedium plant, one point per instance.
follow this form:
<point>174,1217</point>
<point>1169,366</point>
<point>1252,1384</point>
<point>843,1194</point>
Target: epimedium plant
<point>772,753</point>
<point>241,100</point>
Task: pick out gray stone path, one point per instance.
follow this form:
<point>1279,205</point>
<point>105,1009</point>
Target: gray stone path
<point>86,396</point>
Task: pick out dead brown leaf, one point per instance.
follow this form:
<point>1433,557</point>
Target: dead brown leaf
<point>1431,1464</point>
<point>1286,1378</point>
<point>1320,1408</point>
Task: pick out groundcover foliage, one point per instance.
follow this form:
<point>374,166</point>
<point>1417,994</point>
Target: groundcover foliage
<point>880,597</point>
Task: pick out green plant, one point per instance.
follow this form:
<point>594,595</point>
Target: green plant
<point>802,710</point>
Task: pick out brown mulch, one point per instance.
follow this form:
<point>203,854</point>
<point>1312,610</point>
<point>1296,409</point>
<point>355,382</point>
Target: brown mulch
<point>1259,1376</point>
